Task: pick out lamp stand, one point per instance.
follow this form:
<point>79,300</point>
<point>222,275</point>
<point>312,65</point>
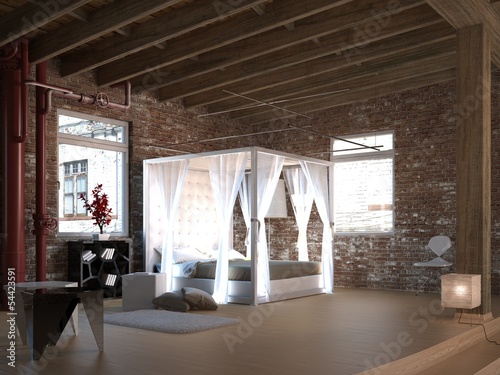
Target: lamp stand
<point>470,317</point>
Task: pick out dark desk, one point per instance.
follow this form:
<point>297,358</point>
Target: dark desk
<point>32,285</point>
<point>49,310</point>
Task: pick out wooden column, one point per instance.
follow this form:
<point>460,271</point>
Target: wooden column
<point>473,243</point>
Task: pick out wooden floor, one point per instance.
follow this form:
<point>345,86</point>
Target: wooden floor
<point>346,332</point>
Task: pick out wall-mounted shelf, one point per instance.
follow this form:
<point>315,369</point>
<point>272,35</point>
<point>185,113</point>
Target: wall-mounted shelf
<point>99,264</point>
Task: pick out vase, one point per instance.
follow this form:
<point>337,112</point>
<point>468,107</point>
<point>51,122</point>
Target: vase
<point>101,236</point>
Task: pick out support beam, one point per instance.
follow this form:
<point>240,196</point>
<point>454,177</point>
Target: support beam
<point>33,15</point>
<point>104,20</point>
<point>473,243</point>
<point>464,13</point>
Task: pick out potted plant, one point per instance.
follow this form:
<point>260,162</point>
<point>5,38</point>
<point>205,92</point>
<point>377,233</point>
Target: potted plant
<point>100,210</point>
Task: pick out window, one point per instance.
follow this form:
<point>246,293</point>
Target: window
<point>363,183</point>
<point>92,151</point>
<point>75,184</point>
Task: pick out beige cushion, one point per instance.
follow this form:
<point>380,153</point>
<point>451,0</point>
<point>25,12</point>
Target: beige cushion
<point>171,301</point>
<point>199,299</point>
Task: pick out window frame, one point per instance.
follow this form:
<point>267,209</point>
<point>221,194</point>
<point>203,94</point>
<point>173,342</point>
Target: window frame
<point>74,176</point>
<point>374,155</point>
<point>99,144</point>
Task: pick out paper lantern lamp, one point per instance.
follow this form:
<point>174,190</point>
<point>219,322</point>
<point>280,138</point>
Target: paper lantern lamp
<point>460,291</point>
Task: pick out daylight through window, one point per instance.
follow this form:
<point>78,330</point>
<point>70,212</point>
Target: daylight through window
<point>92,151</point>
<point>363,183</point>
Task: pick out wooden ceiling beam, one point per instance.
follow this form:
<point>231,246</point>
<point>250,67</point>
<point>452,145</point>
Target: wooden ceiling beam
<point>325,82</point>
<point>278,13</point>
<point>415,41</point>
<point>346,16</point>
<point>332,44</point>
<point>158,30</point>
<point>102,21</point>
<point>80,15</point>
<point>31,16</point>
<point>352,78</point>
<point>464,13</point>
<point>365,92</point>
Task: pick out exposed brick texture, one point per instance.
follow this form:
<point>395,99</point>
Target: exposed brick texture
<point>425,168</point>
<point>424,126</point>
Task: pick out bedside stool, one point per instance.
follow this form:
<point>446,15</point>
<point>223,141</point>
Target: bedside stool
<point>139,289</point>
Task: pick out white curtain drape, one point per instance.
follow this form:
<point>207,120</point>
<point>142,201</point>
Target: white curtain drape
<point>268,172</point>
<point>317,175</point>
<point>245,209</point>
<point>170,179</point>
<point>226,174</point>
<point>302,199</point>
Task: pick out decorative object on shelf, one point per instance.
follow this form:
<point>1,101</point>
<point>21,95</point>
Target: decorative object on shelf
<point>101,236</point>
<point>100,210</point>
<point>99,264</point>
<point>460,291</point>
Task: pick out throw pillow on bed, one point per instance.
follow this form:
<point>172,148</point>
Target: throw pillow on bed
<point>199,299</point>
<point>171,301</point>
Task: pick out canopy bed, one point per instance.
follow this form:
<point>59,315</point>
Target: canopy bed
<point>188,223</point>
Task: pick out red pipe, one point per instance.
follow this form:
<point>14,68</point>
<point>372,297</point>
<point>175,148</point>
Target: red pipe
<point>100,100</point>
<point>41,231</point>
<point>13,230</point>
<point>25,67</point>
<point>14,46</point>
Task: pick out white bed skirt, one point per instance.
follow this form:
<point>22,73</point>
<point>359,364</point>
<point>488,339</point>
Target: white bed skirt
<point>241,291</point>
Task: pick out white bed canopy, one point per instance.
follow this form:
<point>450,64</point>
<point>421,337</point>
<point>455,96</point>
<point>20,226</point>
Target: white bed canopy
<point>200,214</point>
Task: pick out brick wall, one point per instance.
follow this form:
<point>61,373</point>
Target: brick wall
<point>424,128</point>
<point>153,126</point>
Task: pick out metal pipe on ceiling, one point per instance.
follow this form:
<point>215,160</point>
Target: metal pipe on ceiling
<point>100,99</point>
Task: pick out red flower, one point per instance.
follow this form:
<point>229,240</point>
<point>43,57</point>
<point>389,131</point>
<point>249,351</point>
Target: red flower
<point>99,208</point>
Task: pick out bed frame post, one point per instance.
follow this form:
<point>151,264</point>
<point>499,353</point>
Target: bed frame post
<point>254,224</point>
<point>332,223</point>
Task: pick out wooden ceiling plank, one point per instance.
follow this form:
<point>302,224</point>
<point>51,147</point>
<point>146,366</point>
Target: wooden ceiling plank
<point>148,34</point>
<point>420,40</point>
<point>318,25</point>
<point>202,40</point>
<point>464,13</point>
<point>297,86</point>
<point>347,80</point>
<point>104,20</point>
<point>356,77</point>
<point>80,14</point>
<point>29,17</point>
<point>402,22</point>
<point>360,94</point>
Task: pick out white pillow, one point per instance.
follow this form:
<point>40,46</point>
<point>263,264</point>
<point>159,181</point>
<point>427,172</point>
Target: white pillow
<point>187,254</point>
<point>209,253</point>
<point>233,254</point>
